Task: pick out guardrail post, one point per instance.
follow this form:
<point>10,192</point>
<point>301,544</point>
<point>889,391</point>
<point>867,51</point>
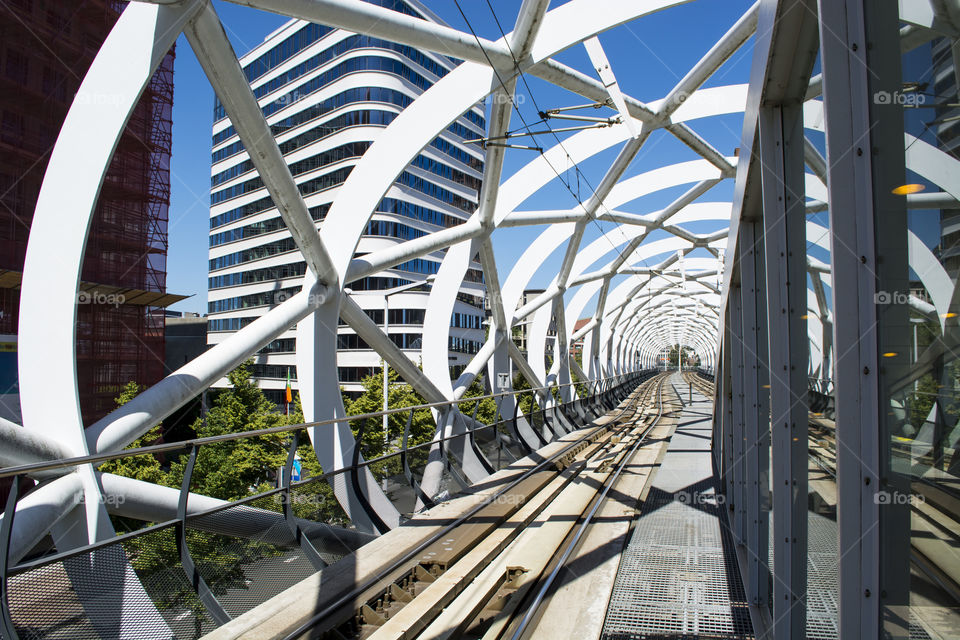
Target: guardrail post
<point>213,606</point>
<point>473,443</point>
<point>6,529</point>
<point>285,483</point>
<point>354,473</point>
<point>422,497</point>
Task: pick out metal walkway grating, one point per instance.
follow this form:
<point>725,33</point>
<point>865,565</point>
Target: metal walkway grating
<point>823,586</point>
<point>821,578</point>
<point>678,576</point>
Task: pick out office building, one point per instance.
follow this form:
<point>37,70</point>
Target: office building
<point>521,330</point>
<point>327,94</point>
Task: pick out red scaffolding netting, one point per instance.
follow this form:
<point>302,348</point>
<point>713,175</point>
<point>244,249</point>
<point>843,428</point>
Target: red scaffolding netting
<point>46,47</point>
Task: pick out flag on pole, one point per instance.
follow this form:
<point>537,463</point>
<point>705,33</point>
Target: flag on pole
<point>289,393</point>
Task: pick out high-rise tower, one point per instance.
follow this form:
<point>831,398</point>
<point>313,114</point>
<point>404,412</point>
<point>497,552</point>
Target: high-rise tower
<point>327,94</point>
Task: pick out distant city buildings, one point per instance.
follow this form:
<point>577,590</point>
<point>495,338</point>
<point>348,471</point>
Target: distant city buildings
<point>45,51</point>
<point>521,331</point>
<point>327,94</point>
<point>576,346</point>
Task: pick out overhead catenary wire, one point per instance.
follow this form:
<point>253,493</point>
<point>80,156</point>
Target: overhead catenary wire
<point>527,126</point>
<point>543,115</point>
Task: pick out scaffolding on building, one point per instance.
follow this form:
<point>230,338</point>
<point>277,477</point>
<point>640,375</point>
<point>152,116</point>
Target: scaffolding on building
<point>47,49</point>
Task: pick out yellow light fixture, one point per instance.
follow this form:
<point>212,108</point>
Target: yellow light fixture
<point>889,354</point>
<point>948,314</point>
<point>906,189</point>
<point>803,317</point>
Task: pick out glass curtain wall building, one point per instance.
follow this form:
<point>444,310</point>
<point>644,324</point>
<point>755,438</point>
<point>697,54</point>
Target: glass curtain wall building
<point>327,94</point>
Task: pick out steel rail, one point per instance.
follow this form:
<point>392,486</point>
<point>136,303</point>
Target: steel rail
<point>534,605</point>
<point>411,555</point>
<point>59,557</point>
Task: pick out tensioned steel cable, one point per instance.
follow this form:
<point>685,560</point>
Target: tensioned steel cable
<point>528,127</point>
<point>576,166</point>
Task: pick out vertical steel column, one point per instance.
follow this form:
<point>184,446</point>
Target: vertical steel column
<point>784,222</point>
<point>756,460</point>
<point>863,144</point>
<point>736,497</point>
<point>725,393</point>
<point>716,445</point>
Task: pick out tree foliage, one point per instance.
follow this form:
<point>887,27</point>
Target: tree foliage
<point>236,469</point>
<point>229,471</point>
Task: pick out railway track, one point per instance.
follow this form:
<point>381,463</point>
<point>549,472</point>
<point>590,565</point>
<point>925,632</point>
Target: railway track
<point>486,573</point>
<point>703,387</point>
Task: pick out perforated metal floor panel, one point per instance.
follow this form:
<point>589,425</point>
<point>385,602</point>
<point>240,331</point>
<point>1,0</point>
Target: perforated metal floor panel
<point>678,576</point>
<point>822,583</point>
<point>821,578</point>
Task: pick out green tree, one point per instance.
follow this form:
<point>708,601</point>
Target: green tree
<point>145,467</point>
<point>230,471</point>
<point>580,386</point>
<point>487,411</point>
<point>374,444</point>
<point>526,400</point>
<point>237,468</point>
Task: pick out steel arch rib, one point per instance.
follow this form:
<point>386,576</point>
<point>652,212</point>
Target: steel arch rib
<point>48,307</point>
<point>563,27</point>
<point>410,132</point>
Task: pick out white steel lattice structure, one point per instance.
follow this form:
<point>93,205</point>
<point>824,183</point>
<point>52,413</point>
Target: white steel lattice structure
<point>769,300</point>
<point>327,94</point>
<point>649,292</point>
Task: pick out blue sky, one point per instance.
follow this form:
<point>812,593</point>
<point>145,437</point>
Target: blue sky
<point>648,57</point>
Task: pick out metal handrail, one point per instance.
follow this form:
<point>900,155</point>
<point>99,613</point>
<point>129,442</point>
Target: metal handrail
<point>7,472</point>
<point>285,486</point>
<point>196,442</point>
<point>247,499</point>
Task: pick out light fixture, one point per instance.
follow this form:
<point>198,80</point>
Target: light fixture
<point>905,189</point>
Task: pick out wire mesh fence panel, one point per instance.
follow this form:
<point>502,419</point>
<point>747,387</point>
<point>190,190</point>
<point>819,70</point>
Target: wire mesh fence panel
<point>486,441</point>
<point>248,552</point>
<point>156,561</point>
<point>138,584</point>
<point>313,500</point>
<point>389,475</point>
<point>249,568</point>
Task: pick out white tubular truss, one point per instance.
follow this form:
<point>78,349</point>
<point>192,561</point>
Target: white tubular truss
<point>647,279</point>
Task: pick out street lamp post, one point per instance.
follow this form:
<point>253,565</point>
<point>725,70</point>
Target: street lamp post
<point>386,371</point>
<point>386,332</point>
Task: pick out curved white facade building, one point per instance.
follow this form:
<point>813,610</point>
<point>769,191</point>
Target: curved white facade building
<point>327,95</point>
